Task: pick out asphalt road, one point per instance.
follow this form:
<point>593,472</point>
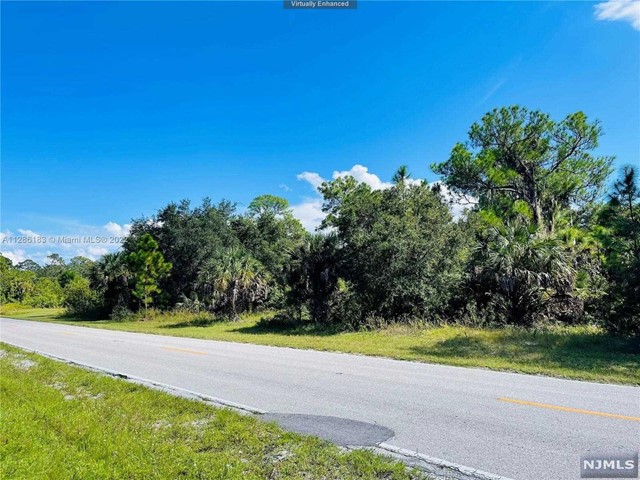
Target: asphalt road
<point>519,426</point>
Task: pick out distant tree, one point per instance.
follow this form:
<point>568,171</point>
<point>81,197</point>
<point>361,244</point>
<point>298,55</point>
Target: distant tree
<point>270,205</point>
<point>625,197</point>
<point>270,232</point>
<point>15,285</point>
<point>28,265</point>
<point>66,276</point>
<point>519,161</point>
<point>80,299</point>
<point>55,259</point>
<point>5,263</point>
<point>46,293</point>
<point>54,268</point>
<point>81,265</point>
<point>401,176</point>
<point>148,267</point>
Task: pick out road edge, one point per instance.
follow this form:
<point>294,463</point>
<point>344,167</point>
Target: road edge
<point>442,469</point>
<point>436,466</point>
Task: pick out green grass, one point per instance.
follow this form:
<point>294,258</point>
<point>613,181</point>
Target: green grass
<point>581,352</point>
<point>63,422</point>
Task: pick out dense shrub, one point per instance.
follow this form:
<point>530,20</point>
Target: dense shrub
<point>120,313</point>
<point>46,293</point>
<point>400,250</point>
<point>79,299</point>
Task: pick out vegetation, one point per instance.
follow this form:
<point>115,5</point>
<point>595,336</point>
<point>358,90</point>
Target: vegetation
<point>541,244</point>
<point>147,267</point>
<point>618,231</point>
<point>401,256</point>
<point>63,422</point>
<point>577,352</point>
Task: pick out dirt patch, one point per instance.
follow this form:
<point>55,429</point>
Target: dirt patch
<point>24,364</point>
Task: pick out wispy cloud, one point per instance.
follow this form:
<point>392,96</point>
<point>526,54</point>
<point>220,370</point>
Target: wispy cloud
<point>313,178</point>
<point>623,10</point>
<point>494,88</point>
<point>28,233</point>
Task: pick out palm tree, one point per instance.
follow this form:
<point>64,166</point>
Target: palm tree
<point>313,275</point>
<point>111,275</point>
<point>401,176</point>
<point>523,273</point>
<point>235,281</point>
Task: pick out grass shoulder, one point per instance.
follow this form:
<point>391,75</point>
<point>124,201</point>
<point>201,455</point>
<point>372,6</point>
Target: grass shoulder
<point>575,352</point>
<point>60,421</point>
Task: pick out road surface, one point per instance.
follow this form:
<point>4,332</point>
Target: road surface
<point>519,426</point>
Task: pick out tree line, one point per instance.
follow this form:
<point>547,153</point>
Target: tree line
<point>549,236</point>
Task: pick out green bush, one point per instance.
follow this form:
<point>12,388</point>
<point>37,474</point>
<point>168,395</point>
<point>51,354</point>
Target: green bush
<point>120,313</point>
<point>400,251</point>
<point>79,299</point>
<point>46,293</point>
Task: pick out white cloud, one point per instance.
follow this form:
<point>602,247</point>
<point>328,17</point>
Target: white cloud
<point>314,179</point>
<point>117,229</point>
<point>95,252</point>
<point>413,181</point>
<point>361,174</point>
<point>28,233</point>
<point>457,203</point>
<point>155,223</point>
<point>309,213</point>
<point>625,10</point>
<point>16,256</point>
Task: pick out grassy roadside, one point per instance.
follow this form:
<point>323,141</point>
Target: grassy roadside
<point>64,422</point>
<point>581,353</point>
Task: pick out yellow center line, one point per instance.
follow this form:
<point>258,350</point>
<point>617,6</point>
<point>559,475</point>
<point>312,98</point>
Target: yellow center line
<point>569,409</point>
<point>65,333</point>
<point>174,349</point>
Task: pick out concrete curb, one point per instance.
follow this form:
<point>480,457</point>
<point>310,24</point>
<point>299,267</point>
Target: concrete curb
<point>436,466</point>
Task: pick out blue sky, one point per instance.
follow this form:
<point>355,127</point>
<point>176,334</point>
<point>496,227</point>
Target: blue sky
<point>112,109</point>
